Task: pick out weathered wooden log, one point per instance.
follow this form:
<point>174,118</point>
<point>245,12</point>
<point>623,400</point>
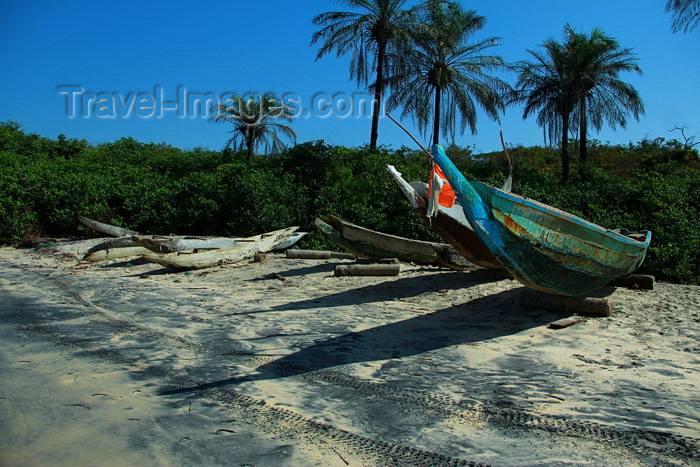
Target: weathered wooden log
<point>317,254</point>
<point>593,306</point>
<point>635,281</point>
<point>367,270</point>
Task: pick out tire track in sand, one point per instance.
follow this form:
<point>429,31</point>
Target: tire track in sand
<point>268,417</point>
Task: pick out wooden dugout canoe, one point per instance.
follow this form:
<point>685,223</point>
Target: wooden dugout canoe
<point>366,243</point>
<point>244,249</point>
<point>172,244</point>
<point>543,247</point>
<point>450,224</point>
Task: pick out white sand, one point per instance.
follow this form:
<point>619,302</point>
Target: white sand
<point>125,362</point>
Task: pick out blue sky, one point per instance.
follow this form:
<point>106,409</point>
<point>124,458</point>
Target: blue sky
<point>131,50</point>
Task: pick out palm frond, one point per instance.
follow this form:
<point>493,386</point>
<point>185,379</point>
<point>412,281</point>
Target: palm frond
<point>686,14</point>
<point>583,67</point>
<point>255,121</point>
<point>442,64</point>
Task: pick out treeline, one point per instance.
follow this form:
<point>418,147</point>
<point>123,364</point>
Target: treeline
<point>156,188</point>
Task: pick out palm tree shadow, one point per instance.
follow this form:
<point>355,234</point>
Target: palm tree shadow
<point>475,321</point>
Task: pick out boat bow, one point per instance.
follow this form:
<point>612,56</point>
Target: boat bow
<point>543,247</point>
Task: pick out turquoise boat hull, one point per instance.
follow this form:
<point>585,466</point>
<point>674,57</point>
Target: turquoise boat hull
<point>543,247</point>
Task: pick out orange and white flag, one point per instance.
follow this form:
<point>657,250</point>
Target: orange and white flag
<point>439,187</point>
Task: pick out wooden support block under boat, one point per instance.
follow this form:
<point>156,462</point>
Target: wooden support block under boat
<point>391,269</point>
<point>592,306</point>
<point>635,281</point>
<point>317,254</point>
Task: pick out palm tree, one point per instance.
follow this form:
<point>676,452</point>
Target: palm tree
<point>379,27</point>
<point>442,74</point>
<point>548,86</point>
<point>602,95</point>
<point>686,14</point>
<point>578,81</point>
<point>254,122</point>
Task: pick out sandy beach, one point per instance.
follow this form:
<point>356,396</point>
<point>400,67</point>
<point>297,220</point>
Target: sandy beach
<point>279,362</point>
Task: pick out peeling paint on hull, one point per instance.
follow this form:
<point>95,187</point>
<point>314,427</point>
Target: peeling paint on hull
<point>543,247</point>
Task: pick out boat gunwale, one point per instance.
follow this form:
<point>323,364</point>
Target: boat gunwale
<point>563,215</point>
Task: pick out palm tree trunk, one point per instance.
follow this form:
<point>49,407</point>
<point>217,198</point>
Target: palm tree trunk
<point>251,145</point>
<point>583,141</point>
<point>379,88</point>
<point>250,155</point>
<point>565,148</point>
<point>436,117</point>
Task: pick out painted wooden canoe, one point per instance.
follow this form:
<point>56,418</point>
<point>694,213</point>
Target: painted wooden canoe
<point>107,229</point>
<point>450,223</point>
<point>366,243</point>
<point>543,247</point>
<point>245,248</point>
<point>172,244</point>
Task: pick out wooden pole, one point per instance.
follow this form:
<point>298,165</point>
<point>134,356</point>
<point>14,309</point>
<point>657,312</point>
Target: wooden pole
<point>505,150</point>
<point>317,254</point>
<point>368,270</point>
<point>412,137</point>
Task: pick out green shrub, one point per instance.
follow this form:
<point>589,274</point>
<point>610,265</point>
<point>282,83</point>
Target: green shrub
<point>155,188</point>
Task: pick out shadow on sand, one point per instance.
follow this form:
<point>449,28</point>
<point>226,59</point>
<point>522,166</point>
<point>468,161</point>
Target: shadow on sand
<point>395,289</point>
<point>478,320</point>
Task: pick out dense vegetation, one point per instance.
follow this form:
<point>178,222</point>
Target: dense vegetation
<point>156,188</point>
